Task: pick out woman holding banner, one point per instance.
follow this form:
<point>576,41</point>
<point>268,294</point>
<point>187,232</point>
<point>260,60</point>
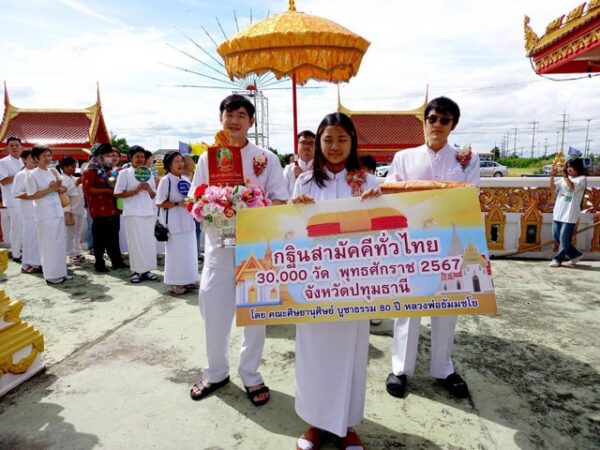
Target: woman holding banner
<point>331,358</point>
<point>181,257</point>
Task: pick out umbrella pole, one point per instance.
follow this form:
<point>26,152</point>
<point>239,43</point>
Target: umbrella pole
<point>295,112</point>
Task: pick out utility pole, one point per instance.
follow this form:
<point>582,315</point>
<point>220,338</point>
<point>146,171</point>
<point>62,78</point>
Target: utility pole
<point>545,147</point>
<point>515,146</point>
<point>557,135</point>
<point>586,148</point>
<point>533,138</point>
<point>564,126</point>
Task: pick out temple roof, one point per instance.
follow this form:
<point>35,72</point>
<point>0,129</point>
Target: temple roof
<point>570,44</point>
<point>60,129</point>
<point>382,133</point>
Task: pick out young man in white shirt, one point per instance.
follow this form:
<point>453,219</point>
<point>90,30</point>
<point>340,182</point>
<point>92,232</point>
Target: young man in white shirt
<point>437,161</point>
<point>217,286</point>
<point>9,166</point>
<point>306,153</point>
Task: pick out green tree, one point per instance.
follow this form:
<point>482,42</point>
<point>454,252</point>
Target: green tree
<point>119,142</point>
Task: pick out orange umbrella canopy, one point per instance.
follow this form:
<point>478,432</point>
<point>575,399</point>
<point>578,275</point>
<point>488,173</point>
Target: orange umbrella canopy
<point>291,43</point>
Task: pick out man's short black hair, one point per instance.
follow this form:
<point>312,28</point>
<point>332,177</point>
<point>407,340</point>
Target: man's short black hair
<point>13,138</point>
<point>235,102</point>
<point>444,105</point>
<point>25,154</point>
<point>148,154</point>
<point>368,162</point>
<point>306,133</point>
<point>103,149</point>
<point>67,161</point>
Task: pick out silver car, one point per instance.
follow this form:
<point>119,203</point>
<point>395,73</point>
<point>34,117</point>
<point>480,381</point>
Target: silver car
<point>492,169</point>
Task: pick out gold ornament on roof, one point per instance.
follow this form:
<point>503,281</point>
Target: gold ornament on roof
<point>292,6</point>
<point>593,4</point>
<point>531,39</point>
<point>555,24</point>
<point>575,12</point>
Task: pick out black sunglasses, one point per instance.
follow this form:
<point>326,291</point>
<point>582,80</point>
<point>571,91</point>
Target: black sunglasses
<point>433,119</point>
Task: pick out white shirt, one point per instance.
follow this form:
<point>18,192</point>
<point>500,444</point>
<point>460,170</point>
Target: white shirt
<point>9,167</point>
<point>139,204</point>
<point>422,163</point>
<point>47,207</point>
<point>179,219</point>
<point>270,180</point>
<point>75,194</point>
<point>290,177</point>
<point>568,201</point>
<point>335,187</point>
<point>19,187</point>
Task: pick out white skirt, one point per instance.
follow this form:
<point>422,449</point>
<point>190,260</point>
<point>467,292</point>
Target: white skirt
<point>181,259</point>
<point>52,239</point>
<point>31,248</point>
<point>141,243</point>
<point>331,374</point>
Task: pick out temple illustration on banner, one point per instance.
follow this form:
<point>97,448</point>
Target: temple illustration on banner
<point>248,293</point>
<point>475,274</point>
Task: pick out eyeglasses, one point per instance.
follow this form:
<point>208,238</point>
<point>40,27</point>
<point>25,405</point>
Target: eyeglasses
<point>307,143</point>
<point>433,119</point>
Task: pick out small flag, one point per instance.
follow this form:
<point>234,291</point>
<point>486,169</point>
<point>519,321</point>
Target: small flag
<point>184,148</point>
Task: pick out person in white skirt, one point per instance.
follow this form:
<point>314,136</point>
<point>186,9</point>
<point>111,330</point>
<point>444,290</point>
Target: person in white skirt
<point>43,186</point>
<point>31,260</point>
<point>76,207</point>
<point>181,257</point>
<point>138,210</point>
<point>331,358</point>
<point>9,166</point>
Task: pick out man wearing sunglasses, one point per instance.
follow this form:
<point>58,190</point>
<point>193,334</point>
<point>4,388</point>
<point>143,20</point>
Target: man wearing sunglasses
<point>435,161</point>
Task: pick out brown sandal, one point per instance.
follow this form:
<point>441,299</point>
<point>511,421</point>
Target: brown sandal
<point>315,436</point>
<point>351,440</point>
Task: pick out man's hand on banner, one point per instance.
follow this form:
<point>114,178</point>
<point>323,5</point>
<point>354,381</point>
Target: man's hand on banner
<point>304,199</point>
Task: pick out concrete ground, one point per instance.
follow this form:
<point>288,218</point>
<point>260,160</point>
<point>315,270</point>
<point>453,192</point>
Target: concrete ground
<point>121,359</point>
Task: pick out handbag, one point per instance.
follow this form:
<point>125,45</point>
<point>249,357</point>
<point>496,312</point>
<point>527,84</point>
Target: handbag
<point>161,232</point>
<point>63,196</point>
<point>69,219</point>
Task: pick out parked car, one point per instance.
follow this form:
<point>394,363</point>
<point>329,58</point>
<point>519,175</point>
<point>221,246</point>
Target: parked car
<point>382,171</point>
<point>492,169</point>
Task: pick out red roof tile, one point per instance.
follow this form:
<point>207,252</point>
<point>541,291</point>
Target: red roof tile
<point>388,131</point>
<point>51,128</point>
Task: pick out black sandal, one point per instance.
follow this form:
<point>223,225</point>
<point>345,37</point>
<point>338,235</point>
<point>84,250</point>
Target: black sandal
<point>204,391</point>
<point>261,390</point>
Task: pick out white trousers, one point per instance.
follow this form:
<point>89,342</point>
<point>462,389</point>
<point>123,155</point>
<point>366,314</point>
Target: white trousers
<point>74,236</point>
<point>16,230</point>
<point>406,340</point>
<point>141,243</point>
<point>31,249</point>
<point>217,306</point>
<point>53,247</point>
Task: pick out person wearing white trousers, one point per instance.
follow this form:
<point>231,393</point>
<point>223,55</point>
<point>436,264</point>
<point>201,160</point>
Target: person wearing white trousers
<point>43,186</point>
<point>9,167</point>
<point>437,161</point>
<point>76,207</point>
<point>216,296</point>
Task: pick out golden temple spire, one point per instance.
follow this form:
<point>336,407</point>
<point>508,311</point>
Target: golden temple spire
<point>6,100</point>
<point>292,6</point>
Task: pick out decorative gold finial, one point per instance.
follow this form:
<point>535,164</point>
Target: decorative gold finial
<point>292,5</point>
<point>531,39</point>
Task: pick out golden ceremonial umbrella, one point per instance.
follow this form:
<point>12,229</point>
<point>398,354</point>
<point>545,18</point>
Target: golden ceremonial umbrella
<point>297,45</point>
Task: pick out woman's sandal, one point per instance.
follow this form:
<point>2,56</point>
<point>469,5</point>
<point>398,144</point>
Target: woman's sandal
<point>204,391</point>
<point>311,439</point>
<point>149,276</point>
<point>135,278</point>
<point>253,394</point>
<point>351,440</point>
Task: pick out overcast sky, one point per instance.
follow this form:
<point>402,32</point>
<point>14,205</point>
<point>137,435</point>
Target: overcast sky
<point>53,52</point>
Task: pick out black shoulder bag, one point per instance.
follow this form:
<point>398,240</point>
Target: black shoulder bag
<point>161,232</point>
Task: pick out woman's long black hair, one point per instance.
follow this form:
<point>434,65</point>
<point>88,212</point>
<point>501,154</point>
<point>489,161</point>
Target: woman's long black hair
<point>168,160</point>
<point>352,163</point>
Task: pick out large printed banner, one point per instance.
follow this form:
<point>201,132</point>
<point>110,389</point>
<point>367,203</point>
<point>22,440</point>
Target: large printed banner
<point>411,254</point>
